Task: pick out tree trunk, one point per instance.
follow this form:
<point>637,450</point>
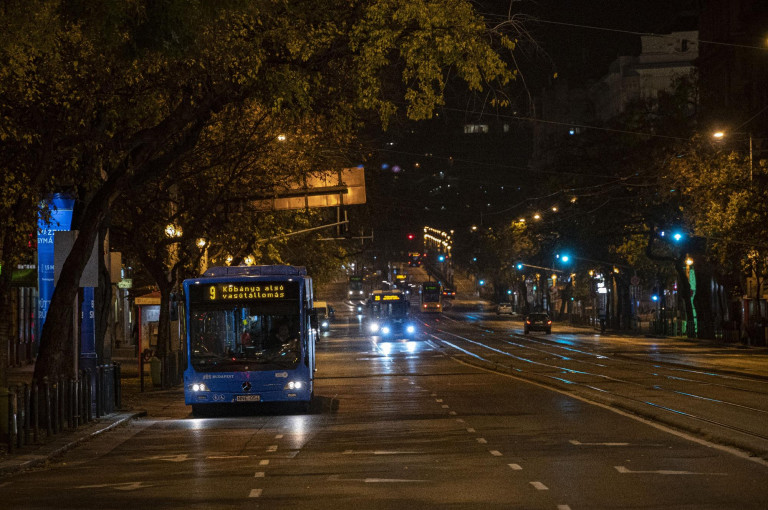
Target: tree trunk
<point>56,356</point>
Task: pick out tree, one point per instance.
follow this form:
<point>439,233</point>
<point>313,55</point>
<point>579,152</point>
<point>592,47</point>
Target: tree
<point>135,85</point>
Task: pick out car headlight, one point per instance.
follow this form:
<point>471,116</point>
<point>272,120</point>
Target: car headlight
<point>324,324</point>
<point>374,327</point>
<point>198,387</point>
<point>385,330</point>
<point>410,328</point>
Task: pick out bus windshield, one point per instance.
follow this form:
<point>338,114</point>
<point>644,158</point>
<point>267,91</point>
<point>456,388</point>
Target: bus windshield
<point>243,336</point>
<point>390,309</point>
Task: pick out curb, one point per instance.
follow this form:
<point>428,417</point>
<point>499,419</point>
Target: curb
<point>23,461</point>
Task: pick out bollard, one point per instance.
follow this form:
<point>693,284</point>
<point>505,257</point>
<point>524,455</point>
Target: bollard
<point>88,395</point>
<point>61,407</point>
<point>98,391</point>
<point>76,400</point>
<point>118,387</point>
<point>35,406</point>
<point>19,417</point>
<point>71,403</point>
<point>55,406</point>
<point>11,420</point>
<point>27,413</point>
<point>47,396</point>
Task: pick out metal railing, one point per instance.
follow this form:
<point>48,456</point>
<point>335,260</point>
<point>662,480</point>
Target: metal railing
<point>39,411</point>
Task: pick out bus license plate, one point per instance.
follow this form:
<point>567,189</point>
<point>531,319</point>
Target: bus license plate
<point>248,398</point>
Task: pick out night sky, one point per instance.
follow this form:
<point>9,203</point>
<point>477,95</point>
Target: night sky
<point>581,54</point>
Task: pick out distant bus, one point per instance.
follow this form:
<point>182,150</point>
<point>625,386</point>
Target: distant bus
<point>415,259</point>
<point>389,315</point>
<point>249,336</point>
<point>431,297</point>
<point>355,288</point>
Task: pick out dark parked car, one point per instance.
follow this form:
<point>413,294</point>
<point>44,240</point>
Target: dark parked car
<point>537,322</point>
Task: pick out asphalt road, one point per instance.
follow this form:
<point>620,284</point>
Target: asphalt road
<point>471,414</point>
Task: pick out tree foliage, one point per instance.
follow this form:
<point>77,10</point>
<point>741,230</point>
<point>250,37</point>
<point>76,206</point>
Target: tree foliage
<point>102,97</point>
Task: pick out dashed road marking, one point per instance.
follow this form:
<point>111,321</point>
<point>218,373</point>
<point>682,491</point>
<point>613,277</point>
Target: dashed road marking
<point>481,440</point>
<point>452,413</point>
<point>495,453</point>
<point>255,493</point>
<point>279,436</point>
<point>264,462</point>
<point>471,430</point>
<point>540,486</point>
<point>516,467</point>
<point>258,474</point>
<point>272,448</point>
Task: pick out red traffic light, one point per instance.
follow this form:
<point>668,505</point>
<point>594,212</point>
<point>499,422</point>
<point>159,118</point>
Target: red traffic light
<point>410,237</point>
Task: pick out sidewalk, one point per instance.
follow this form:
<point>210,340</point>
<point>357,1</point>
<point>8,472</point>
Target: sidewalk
<point>35,455</point>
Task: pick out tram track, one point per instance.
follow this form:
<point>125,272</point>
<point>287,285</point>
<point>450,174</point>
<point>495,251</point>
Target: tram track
<point>689,411</point>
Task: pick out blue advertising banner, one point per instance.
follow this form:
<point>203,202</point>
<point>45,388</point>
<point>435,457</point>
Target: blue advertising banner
<point>61,219</point>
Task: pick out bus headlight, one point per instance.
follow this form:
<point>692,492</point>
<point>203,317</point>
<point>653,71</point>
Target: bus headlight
<point>293,385</point>
<point>373,327</point>
<point>198,387</point>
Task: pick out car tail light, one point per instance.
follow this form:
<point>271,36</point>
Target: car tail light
<point>527,322</point>
<point>549,322</point>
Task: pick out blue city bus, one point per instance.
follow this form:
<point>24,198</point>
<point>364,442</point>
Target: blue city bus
<point>249,336</point>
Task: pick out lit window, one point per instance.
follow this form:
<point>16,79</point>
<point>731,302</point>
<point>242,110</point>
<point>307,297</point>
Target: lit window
<point>475,128</point>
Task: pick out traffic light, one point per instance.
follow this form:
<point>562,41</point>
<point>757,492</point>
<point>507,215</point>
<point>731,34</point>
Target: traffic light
<point>441,258</point>
<point>519,266</point>
<point>411,237</point>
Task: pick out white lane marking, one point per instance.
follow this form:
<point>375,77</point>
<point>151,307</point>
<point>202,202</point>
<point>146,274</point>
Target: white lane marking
<point>169,458</point>
<point>563,507</point>
<point>126,486</point>
<point>433,394</point>
<point>516,467</point>
<point>481,440</point>
<point>337,478</point>
<point>272,448</point>
<point>444,406</point>
<point>264,462</point>
<point>579,443</point>
<point>452,413</point>
<point>624,470</point>
<point>255,493</point>
<point>495,453</point>
<point>438,400</point>
<point>540,486</point>
<point>279,436</point>
<point>460,420</point>
<point>258,474</point>
<point>219,457</point>
<point>380,452</point>
<point>471,430</point>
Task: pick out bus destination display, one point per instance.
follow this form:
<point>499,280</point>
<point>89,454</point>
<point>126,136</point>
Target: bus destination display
<point>243,291</point>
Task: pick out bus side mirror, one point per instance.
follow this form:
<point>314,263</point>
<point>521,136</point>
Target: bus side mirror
<point>313,323</point>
